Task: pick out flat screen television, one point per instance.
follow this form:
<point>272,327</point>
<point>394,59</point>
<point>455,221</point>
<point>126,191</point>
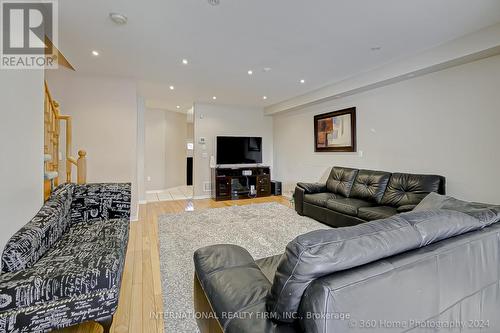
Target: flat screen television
<point>239,150</point>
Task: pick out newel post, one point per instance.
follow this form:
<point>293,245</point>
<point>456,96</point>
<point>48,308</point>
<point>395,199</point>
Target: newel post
<point>81,167</point>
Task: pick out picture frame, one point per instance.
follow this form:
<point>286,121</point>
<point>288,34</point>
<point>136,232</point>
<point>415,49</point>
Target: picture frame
<point>335,131</point>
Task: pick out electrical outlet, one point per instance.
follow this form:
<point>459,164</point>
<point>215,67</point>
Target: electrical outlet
<point>149,178</point>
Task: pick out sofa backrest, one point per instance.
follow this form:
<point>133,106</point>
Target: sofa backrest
<point>33,240</point>
<point>101,201</point>
<point>370,185</point>
<point>341,180</point>
<point>323,252</point>
<point>409,189</point>
<point>449,282</point>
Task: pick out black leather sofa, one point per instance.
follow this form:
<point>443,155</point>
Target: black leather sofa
<point>352,196</point>
<point>436,265</point>
<point>65,266</point>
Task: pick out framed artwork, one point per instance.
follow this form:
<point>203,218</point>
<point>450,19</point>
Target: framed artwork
<point>335,131</point>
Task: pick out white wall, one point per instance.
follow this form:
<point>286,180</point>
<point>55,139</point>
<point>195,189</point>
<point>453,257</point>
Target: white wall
<point>165,161</point>
<point>155,155</point>
<point>21,149</point>
<point>445,123</point>
<point>211,121</point>
<point>104,111</point>
<point>175,149</point>
<point>141,142</point>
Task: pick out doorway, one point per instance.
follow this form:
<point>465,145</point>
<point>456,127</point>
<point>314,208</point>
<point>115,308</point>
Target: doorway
<point>168,160</point>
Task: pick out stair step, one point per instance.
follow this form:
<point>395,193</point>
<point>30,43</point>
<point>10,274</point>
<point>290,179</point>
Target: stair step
<point>49,175</point>
<point>47,157</point>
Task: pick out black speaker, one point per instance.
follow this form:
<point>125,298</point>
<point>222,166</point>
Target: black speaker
<point>275,188</point>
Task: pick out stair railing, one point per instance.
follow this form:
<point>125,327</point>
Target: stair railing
<point>53,118</point>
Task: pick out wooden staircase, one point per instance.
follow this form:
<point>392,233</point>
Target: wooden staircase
<point>52,130</point>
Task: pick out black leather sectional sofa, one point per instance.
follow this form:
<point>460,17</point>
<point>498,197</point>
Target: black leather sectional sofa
<point>352,196</point>
<point>412,272</point>
<point>65,266</point>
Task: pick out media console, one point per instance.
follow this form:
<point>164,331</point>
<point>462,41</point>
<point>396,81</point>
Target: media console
<point>241,183</point>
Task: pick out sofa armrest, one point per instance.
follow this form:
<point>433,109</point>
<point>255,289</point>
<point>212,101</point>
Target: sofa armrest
<point>231,281</point>
<point>305,188</point>
<point>105,201</point>
<point>298,199</point>
<point>310,188</point>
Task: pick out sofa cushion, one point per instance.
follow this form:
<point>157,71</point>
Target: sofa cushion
<point>33,240</point>
<point>347,206</point>
<point>341,180</point>
<point>376,213</point>
<point>485,212</point>
<point>409,189</point>
<point>319,199</point>
<point>370,185</point>
<point>406,208</point>
<point>87,259</point>
<point>323,252</point>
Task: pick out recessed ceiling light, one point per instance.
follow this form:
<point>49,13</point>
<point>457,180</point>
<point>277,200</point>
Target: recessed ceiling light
<point>264,97</point>
<point>118,18</point>
<point>376,48</point>
<point>171,87</point>
<point>178,106</point>
<point>95,53</point>
<point>185,61</point>
<point>302,81</point>
<point>266,69</point>
<point>250,72</point>
<point>214,98</point>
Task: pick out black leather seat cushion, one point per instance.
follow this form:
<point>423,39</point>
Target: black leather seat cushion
<point>376,213</point>
<point>370,185</point>
<point>409,189</point>
<point>319,199</point>
<point>341,180</point>
<point>347,206</point>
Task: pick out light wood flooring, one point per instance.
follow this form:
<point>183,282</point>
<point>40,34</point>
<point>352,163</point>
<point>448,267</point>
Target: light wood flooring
<point>141,293</point>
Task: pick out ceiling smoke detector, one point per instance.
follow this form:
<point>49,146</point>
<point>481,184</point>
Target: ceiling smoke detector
<point>119,19</point>
<point>214,2</point>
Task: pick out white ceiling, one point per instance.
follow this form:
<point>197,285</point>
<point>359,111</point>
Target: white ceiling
<point>321,41</point>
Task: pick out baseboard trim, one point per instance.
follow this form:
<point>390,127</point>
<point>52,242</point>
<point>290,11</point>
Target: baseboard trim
<point>205,196</point>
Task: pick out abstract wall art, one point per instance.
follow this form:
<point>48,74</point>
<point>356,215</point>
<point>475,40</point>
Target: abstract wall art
<point>335,131</point>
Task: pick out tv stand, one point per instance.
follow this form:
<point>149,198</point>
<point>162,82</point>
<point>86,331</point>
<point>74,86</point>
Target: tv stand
<point>231,184</point>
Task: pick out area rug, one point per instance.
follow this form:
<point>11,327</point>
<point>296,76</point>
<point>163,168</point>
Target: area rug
<point>263,229</point>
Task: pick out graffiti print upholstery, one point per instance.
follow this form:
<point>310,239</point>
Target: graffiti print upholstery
<point>65,266</point>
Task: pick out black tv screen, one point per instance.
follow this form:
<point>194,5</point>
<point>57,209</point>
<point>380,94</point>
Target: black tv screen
<point>239,150</point>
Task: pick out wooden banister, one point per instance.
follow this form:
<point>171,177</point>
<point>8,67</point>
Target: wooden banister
<point>52,124</point>
<point>81,167</point>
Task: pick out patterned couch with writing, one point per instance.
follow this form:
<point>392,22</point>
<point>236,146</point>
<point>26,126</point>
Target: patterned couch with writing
<point>65,266</point>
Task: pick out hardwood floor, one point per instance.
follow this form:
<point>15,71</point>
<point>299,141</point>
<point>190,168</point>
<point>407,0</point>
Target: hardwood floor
<point>141,294</point>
